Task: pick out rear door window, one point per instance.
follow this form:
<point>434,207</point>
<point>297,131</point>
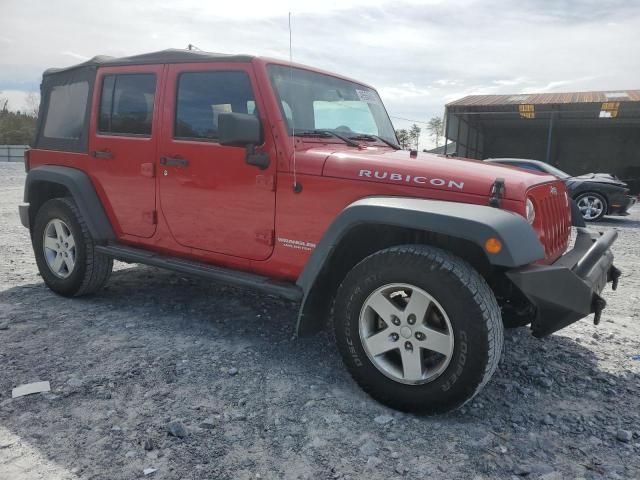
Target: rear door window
<point>66,111</point>
<point>126,104</point>
<point>203,96</point>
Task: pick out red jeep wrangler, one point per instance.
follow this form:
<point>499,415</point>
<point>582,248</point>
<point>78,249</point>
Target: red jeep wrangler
<point>283,178</point>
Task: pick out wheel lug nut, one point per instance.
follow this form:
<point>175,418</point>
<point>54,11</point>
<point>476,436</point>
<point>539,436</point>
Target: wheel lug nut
<point>408,346</point>
<point>420,336</point>
<point>394,337</point>
<point>395,320</point>
<point>411,319</point>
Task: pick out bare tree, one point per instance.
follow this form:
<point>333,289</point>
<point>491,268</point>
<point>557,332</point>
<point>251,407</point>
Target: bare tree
<point>436,129</point>
<point>4,103</point>
<point>33,104</point>
<point>414,136</point>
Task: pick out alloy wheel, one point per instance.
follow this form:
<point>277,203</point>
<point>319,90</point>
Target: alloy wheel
<point>591,207</point>
<point>406,333</point>
<point>59,248</point>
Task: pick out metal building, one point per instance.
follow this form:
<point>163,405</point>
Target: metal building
<point>578,132</point>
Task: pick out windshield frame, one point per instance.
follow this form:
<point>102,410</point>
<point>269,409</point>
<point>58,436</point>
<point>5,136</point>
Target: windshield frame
<point>291,129</point>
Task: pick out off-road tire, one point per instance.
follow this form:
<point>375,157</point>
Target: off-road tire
<point>469,303</point>
<point>91,270</point>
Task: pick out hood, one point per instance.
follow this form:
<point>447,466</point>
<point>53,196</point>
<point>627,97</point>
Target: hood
<point>598,178</point>
<point>430,171</point>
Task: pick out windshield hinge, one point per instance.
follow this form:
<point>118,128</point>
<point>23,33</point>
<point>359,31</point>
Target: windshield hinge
<point>497,193</point>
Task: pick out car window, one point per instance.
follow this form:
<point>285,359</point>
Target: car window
<point>126,104</point>
<point>66,111</point>
<point>527,166</point>
<point>203,96</point>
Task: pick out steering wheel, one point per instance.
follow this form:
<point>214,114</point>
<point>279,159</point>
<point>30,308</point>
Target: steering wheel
<point>343,128</point>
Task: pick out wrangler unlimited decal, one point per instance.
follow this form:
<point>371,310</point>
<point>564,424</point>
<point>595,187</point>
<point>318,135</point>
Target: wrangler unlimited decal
<point>417,179</point>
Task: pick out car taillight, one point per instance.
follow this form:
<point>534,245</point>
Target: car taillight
<point>27,155</point>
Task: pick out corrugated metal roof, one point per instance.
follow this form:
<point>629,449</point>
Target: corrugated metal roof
<point>548,98</point>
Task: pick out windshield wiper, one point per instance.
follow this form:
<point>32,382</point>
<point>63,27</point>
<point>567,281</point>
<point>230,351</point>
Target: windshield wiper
<point>370,137</point>
<point>325,133</point>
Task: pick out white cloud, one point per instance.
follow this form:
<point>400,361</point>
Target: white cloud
<point>419,54</point>
<point>17,99</point>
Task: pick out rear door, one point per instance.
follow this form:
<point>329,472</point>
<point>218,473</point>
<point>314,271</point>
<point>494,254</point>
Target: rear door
<point>210,197</point>
<point>123,146</point>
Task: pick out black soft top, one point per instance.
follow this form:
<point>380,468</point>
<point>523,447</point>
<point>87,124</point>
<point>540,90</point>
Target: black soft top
<point>171,55</point>
<point>84,75</point>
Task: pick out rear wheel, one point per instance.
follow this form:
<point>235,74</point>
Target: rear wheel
<point>418,328</point>
<point>593,206</point>
<point>64,250</point>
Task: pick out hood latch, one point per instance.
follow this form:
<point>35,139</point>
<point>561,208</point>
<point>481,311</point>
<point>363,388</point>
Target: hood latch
<point>497,193</point>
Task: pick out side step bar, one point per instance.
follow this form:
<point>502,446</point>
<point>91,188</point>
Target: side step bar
<point>204,270</point>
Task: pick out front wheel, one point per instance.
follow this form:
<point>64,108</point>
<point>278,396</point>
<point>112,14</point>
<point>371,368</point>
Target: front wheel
<point>418,328</point>
<point>593,206</point>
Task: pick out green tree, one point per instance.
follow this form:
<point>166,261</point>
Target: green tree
<point>414,136</point>
<point>436,129</point>
<point>403,138</point>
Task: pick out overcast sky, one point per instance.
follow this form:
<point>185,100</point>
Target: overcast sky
<point>419,55</point>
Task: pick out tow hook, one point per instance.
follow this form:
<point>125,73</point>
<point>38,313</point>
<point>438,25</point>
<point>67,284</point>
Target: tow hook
<point>597,305</point>
<point>614,275</point>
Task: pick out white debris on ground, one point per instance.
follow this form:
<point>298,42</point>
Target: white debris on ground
<point>30,388</point>
<point>141,375</point>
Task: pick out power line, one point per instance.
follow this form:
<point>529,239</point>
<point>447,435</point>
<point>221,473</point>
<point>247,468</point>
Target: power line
<point>409,120</point>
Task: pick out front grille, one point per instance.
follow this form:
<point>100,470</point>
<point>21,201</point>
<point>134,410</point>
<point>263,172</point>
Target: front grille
<point>553,218</point>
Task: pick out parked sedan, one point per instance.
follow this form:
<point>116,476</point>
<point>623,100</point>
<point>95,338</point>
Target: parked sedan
<point>597,194</point>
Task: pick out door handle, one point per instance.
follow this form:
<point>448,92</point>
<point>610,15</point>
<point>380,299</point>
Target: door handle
<point>101,154</point>
<point>174,161</point>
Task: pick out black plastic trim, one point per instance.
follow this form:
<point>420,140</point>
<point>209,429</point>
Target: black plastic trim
<point>204,270</point>
<point>23,210</point>
<point>82,191</point>
<point>475,223</point>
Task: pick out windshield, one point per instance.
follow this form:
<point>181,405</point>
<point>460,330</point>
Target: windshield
<point>556,171</point>
<point>314,101</point>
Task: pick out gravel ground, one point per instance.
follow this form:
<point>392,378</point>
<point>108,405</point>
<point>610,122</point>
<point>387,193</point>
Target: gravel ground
<point>198,380</point>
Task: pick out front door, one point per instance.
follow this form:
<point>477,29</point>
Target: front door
<point>123,145</point>
<point>210,197</point>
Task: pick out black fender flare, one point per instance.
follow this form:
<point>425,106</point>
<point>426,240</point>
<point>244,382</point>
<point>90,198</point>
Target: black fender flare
<point>81,189</point>
<point>475,223</point>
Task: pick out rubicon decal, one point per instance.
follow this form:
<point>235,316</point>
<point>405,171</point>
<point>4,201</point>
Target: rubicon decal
<point>412,179</point>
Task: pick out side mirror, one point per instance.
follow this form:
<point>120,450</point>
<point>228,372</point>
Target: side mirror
<point>239,129</point>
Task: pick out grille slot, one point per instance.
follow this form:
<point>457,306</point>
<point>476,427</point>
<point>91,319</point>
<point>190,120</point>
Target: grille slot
<point>553,219</point>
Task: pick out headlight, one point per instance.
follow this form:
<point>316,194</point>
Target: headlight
<point>531,211</point>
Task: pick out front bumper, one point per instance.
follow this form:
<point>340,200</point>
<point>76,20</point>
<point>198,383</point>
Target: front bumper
<point>621,206</point>
<point>569,289</point>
